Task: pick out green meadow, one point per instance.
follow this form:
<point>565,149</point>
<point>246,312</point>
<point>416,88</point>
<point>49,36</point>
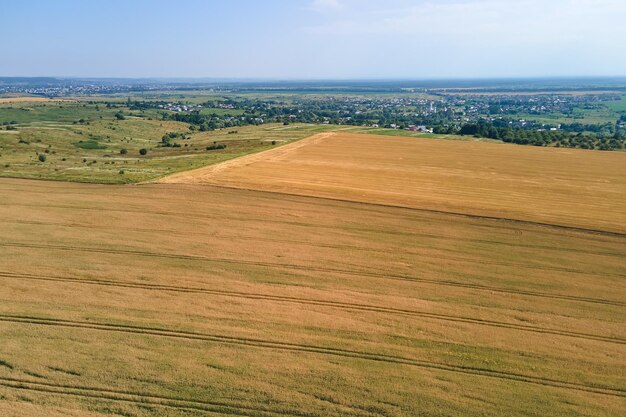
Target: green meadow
<point>87,143</point>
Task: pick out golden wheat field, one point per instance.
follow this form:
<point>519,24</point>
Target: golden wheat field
<point>341,275</point>
<point>557,186</point>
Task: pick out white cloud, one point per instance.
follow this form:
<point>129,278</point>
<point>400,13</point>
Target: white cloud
<point>520,21</point>
<point>479,37</point>
<point>325,5</point>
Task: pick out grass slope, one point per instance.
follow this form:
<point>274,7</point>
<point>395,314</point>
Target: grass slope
<point>91,151</point>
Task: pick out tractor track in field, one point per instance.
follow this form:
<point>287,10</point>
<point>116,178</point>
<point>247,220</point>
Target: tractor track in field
<point>141,398</point>
<point>300,347</point>
<point>354,203</point>
<point>316,302</point>
<point>270,264</point>
<point>302,242</point>
<point>315,269</point>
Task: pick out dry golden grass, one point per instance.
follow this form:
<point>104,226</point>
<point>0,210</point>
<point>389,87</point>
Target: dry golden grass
<point>178,299</point>
<point>558,186</point>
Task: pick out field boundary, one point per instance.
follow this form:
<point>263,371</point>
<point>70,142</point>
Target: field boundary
<point>427,210</point>
<point>157,183</point>
<point>208,170</point>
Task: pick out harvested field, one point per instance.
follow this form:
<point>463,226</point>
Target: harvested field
<point>183,299</point>
<point>566,187</point>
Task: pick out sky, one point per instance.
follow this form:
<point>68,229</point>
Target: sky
<point>313,39</point>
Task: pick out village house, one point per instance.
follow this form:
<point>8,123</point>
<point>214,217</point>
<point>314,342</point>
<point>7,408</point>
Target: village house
<point>420,129</point>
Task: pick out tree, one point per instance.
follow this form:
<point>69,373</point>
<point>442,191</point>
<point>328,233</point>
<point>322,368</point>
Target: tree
<point>42,157</point>
<point>143,151</point>
<point>123,151</point>
<point>120,116</point>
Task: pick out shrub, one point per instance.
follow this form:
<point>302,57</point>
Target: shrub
<point>121,172</point>
<point>42,157</point>
<point>123,151</point>
<point>120,116</point>
<point>273,142</point>
<point>143,151</point>
<point>216,147</point>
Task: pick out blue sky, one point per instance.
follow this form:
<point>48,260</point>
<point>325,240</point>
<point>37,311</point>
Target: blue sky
<point>312,39</point>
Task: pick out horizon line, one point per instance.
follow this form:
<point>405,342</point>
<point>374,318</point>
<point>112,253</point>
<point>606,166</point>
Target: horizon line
<point>320,79</point>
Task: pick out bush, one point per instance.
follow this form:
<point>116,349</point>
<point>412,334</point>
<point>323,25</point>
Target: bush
<point>121,172</point>
<point>42,157</point>
<point>123,151</point>
<point>143,151</point>
<point>216,147</point>
<point>120,116</point>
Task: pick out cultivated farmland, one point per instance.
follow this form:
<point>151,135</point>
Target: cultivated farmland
<point>557,186</point>
<point>258,288</point>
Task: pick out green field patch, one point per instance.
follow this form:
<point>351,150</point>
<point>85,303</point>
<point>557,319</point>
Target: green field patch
<point>617,105</point>
<point>89,144</point>
<point>221,112</point>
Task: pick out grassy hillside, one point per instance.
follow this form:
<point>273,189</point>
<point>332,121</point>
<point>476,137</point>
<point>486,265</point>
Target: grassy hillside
<point>85,142</point>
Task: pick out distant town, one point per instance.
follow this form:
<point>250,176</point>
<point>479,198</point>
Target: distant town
<point>591,115</point>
